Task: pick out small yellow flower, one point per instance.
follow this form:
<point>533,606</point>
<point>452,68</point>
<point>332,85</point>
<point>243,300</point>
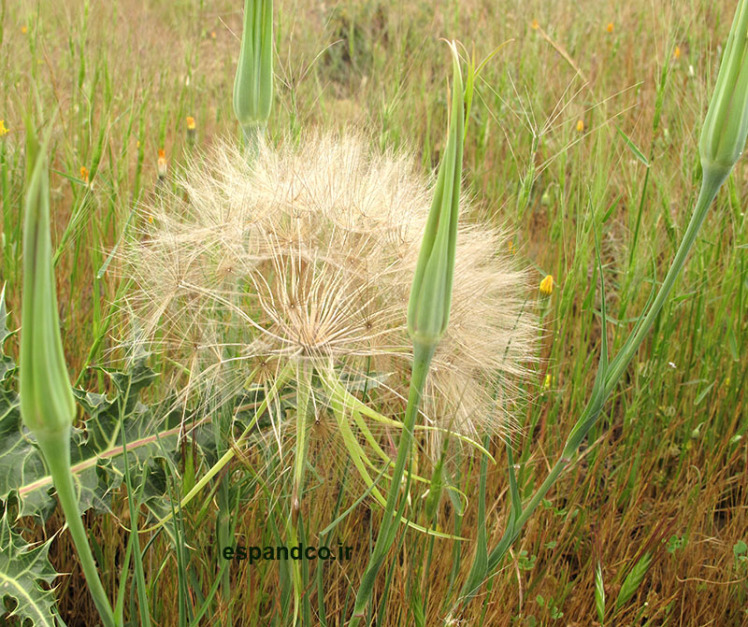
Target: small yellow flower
<point>546,285</point>
<point>84,174</point>
<point>212,34</point>
<point>162,164</point>
<point>3,129</point>
<point>190,131</point>
<point>580,126</point>
<point>535,25</point>
<point>548,382</point>
<point>510,246</point>
<point>676,53</point>
<point>609,27</point>
<point>24,29</point>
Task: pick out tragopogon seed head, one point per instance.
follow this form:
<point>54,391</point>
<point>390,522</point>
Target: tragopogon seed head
<point>307,254</point>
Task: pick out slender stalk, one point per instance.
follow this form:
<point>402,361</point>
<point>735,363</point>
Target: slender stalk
<point>143,605</point>
<point>611,375</point>
<point>229,455</point>
<point>388,528</point>
<point>709,187</point>
<point>59,467</point>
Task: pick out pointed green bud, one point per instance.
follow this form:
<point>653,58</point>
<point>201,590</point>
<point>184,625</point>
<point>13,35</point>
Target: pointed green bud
<point>47,405</point>
<point>253,85</point>
<point>431,294</point>
<point>725,128</point>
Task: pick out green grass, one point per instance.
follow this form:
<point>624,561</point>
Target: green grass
<point>658,494</point>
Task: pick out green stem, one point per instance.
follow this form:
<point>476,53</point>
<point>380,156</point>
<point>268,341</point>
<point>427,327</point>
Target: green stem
<point>56,450</point>
<point>229,455</point>
<point>388,529</point>
<point>253,135</point>
<point>710,185</point>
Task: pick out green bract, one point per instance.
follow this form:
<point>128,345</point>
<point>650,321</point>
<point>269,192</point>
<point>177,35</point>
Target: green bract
<point>431,294</point>
<point>725,128</point>
<point>428,315</point>
<point>47,405</point>
<point>253,85</point>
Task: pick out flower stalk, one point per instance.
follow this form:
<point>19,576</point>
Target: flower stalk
<point>46,397</point>
<point>722,142</point>
<point>428,315</point>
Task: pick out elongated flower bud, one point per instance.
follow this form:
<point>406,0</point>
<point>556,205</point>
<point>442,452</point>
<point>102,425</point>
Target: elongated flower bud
<point>431,294</point>
<point>253,85</point>
<point>725,128</point>
<point>47,405</point>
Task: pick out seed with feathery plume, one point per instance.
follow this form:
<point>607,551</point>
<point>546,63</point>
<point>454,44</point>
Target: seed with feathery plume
<point>306,256</point>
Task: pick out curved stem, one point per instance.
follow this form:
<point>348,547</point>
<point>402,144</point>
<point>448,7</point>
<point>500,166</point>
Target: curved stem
<point>709,187</point>
<point>56,451</point>
<point>388,528</point>
<point>229,454</point>
<point>612,372</point>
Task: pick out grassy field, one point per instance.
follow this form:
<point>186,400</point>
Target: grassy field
<point>587,118</point>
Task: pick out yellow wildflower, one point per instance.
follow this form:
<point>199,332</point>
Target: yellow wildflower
<point>609,27</point>
<point>3,129</point>
<point>676,53</point>
<point>580,125</point>
<point>535,25</point>
<point>161,164</point>
<point>24,29</point>
<point>190,131</point>
<point>546,285</point>
<point>84,174</point>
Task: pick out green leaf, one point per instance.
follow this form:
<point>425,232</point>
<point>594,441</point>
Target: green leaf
<point>599,594</point>
<point>7,365</point>
<point>22,568</point>
<point>417,608</point>
<point>740,551</point>
<point>96,450</point>
<point>633,148</point>
<point>633,580</point>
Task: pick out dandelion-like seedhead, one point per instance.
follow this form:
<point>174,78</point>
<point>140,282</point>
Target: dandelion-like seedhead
<point>306,257</point>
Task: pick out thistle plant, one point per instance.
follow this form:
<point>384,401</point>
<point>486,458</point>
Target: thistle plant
<point>46,397</point>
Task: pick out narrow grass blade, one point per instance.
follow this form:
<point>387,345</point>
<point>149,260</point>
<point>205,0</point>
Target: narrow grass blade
<point>633,580</point>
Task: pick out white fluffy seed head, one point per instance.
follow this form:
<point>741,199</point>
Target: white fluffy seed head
<point>308,254</point>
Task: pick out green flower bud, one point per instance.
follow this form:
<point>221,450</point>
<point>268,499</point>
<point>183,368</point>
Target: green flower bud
<point>47,405</point>
<point>253,85</point>
<point>431,294</point>
<point>725,128</point>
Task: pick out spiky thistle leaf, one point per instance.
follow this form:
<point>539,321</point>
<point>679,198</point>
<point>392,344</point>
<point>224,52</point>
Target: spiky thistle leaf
<point>22,568</point>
